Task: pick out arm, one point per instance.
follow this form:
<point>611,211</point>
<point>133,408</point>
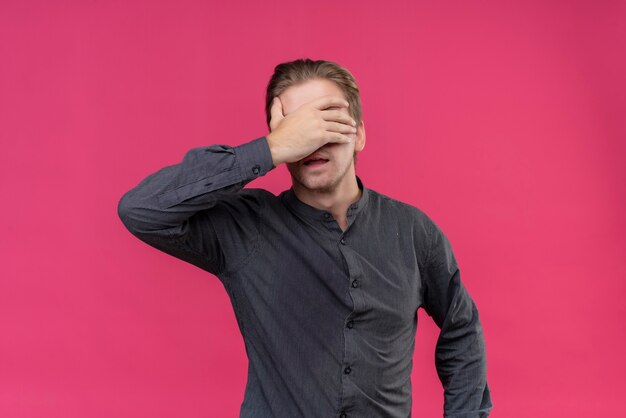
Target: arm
<point>197,210</point>
<point>460,356</point>
<point>176,209</point>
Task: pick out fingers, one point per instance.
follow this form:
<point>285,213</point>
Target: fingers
<point>338,116</point>
<point>324,102</point>
<point>341,128</point>
<point>338,138</point>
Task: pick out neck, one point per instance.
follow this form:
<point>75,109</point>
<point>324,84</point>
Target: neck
<point>335,201</point>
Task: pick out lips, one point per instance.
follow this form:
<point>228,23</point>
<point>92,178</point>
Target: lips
<point>315,159</point>
<point>315,162</point>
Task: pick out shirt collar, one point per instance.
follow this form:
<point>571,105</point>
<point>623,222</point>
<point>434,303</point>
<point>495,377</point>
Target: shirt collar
<point>289,198</point>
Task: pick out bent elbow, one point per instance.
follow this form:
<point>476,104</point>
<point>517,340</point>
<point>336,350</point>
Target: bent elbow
<point>125,209</point>
<point>131,214</point>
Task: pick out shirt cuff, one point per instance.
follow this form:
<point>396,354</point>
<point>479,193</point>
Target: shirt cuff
<point>254,158</point>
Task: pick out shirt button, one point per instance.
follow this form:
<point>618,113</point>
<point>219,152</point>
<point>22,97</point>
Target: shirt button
<point>355,283</point>
<point>256,169</point>
<point>347,370</point>
<point>343,415</point>
<point>350,324</point>
<point>326,215</point>
<point>343,241</point>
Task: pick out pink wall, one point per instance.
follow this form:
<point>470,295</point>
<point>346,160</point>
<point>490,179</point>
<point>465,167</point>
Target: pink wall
<point>505,123</point>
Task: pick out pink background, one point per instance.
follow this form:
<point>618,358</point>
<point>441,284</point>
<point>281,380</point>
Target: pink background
<point>503,121</point>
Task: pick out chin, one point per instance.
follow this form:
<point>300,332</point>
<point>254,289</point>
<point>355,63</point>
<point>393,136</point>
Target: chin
<point>314,183</point>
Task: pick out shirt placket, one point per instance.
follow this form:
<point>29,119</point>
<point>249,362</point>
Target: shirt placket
<point>351,372</point>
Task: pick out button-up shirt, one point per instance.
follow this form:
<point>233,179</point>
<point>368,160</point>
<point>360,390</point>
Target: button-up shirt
<point>328,316</point>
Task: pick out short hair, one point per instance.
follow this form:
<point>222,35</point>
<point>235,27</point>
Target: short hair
<point>295,72</point>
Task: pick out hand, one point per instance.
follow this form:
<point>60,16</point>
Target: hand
<point>308,128</point>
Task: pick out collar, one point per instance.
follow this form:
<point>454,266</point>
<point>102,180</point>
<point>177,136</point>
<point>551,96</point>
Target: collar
<point>290,199</point>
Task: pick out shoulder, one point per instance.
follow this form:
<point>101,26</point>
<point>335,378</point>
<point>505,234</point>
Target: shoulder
<point>389,206</point>
<point>414,226</point>
<point>245,203</point>
<point>250,194</point>
<point>257,193</point>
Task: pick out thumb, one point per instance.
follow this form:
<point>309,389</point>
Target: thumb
<point>276,112</point>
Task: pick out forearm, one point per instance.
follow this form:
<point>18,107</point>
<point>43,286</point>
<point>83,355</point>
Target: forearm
<point>163,201</point>
<point>460,358</point>
<point>460,355</point>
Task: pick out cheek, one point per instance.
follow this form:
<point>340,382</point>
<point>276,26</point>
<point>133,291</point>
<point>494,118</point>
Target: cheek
<point>341,153</point>
<point>347,155</point>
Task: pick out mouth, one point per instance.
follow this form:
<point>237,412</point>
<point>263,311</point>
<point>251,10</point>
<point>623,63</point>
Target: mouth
<point>316,162</point>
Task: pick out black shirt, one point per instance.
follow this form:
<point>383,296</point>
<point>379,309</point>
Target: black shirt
<point>328,316</point>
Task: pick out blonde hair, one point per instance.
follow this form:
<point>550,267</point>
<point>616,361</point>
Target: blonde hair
<point>295,72</point>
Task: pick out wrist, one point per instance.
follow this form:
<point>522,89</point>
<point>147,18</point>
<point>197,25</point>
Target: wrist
<point>276,158</point>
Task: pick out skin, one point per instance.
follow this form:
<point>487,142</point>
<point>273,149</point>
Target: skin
<point>309,118</point>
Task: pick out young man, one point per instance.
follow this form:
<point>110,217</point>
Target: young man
<point>326,278</point>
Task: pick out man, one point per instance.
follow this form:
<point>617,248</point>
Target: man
<point>326,278</point>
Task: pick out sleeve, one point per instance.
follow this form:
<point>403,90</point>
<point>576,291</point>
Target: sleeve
<point>460,355</point>
<point>179,208</point>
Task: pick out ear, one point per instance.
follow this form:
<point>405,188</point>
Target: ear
<point>359,142</point>
<point>276,112</point>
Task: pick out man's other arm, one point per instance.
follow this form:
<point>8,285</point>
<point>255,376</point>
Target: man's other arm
<point>460,355</point>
